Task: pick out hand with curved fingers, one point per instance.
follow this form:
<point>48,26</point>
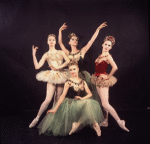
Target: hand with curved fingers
<point>78,97</point>
<point>34,49</point>
<point>102,25</point>
<point>52,111</point>
<point>63,27</point>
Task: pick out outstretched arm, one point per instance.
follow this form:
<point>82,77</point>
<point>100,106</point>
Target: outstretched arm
<point>89,94</point>
<point>86,48</point>
<point>64,26</point>
<point>41,62</point>
<point>113,64</point>
<point>62,97</point>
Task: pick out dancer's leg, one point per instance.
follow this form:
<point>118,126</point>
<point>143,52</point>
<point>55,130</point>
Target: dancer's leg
<point>97,128</point>
<point>104,123</point>
<point>44,105</point>
<point>59,90</point>
<point>103,93</point>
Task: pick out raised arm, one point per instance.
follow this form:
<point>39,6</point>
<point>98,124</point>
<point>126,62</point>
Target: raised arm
<point>62,97</point>
<point>41,62</point>
<point>64,26</point>
<point>86,48</point>
<point>113,64</point>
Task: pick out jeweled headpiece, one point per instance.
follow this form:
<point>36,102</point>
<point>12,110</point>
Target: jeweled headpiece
<point>52,35</point>
<point>110,38</point>
<point>71,35</point>
<point>72,62</point>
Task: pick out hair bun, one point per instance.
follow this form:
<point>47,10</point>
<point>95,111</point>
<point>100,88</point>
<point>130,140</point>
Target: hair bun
<point>71,35</point>
<point>73,62</point>
<point>110,38</point>
<point>52,35</point>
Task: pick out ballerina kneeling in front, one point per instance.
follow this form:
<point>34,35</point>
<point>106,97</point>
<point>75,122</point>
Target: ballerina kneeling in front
<point>74,109</point>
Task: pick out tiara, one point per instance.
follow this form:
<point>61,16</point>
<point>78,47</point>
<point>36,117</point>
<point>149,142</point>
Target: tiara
<point>71,35</point>
<point>72,62</point>
<point>110,38</point>
<point>52,35</point>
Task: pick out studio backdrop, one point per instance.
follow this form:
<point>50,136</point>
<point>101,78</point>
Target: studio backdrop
<point>26,23</point>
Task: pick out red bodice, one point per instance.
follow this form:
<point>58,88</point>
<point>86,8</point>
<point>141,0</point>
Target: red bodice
<point>100,68</point>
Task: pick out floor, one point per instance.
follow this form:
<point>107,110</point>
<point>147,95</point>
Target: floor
<point>14,130</point>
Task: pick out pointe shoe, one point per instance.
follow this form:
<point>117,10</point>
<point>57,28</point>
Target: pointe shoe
<point>104,123</point>
<point>74,127</point>
<point>34,122</point>
<point>121,123</point>
<point>97,129</point>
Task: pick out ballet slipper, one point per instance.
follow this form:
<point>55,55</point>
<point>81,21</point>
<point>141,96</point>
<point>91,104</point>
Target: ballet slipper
<point>121,123</point>
<point>104,123</point>
<point>34,122</point>
<point>74,127</point>
<point>97,129</point>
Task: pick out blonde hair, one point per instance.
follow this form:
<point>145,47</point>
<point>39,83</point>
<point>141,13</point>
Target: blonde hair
<point>51,35</point>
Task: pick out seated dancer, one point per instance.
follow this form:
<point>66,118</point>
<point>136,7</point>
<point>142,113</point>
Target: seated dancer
<point>103,81</point>
<point>74,110</point>
<point>78,55</point>
<point>55,78</point>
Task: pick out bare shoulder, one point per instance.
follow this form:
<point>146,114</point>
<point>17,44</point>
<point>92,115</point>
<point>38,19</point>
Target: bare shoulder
<point>109,56</point>
<point>45,55</point>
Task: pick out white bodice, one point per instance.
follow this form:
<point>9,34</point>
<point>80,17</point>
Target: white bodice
<point>55,59</point>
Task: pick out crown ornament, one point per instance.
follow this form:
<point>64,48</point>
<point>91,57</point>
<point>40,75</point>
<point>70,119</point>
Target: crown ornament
<point>72,62</point>
<point>110,38</point>
<point>71,35</point>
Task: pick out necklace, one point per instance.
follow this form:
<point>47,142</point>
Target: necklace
<point>74,54</point>
<point>74,82</point>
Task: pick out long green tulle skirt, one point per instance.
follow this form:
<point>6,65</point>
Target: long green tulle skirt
<point>86,112</point>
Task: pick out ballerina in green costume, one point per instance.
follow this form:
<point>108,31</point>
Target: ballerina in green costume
<point>74,110</point>
<point>78,55</point>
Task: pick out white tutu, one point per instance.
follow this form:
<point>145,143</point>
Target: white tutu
<point>53,77</point>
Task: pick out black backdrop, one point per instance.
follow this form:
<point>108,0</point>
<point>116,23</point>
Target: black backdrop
<point>24,23</point>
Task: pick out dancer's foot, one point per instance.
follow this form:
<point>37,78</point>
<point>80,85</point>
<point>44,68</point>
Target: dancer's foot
<point>34,122</point>
<point>121,123</point>
<point>97,129</point>
<point>104,123</point>
<point>75,125</point>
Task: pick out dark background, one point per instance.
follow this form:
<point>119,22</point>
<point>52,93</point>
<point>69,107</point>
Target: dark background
<point>24,23</point>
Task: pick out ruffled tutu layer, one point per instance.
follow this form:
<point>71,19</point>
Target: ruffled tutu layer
<point>54,77</point>
<point>85,112</point>
<point>103,83</point>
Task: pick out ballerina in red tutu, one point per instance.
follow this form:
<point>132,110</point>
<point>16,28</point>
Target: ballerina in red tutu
<point>103,81</point>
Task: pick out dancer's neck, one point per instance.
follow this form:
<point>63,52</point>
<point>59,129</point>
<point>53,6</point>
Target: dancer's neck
<point>74,49</point>
<point>52,48</point>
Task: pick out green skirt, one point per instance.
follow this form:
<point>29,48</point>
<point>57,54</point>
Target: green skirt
<point>86,112</point>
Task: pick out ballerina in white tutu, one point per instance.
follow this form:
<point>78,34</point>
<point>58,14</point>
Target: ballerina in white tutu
<point>55,78</point>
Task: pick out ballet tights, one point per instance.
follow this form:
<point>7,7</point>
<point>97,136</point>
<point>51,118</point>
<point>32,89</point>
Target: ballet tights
<point>104,93</point>
<point>51,90</point>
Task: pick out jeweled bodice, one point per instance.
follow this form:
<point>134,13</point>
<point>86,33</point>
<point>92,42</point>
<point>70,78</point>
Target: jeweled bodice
<point>76,89</point>
<point>78,58</point>
<point>101,65</point>
<point>100,68</point>
<point>55,59</point>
